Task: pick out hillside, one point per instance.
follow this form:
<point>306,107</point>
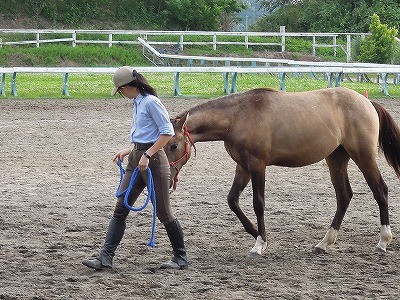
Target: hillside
<point>58,55</point>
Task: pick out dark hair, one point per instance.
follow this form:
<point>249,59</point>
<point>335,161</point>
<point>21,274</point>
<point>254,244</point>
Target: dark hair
<point>142,84</point>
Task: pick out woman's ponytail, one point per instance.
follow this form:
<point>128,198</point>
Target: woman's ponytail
<point>142,84</point>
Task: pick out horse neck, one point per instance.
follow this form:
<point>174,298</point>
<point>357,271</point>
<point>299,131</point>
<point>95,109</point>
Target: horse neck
<point>208,125</point>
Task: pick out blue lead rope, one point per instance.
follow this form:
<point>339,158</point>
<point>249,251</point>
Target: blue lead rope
<point>151,194</point>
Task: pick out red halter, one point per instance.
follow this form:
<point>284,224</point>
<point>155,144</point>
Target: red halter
<point>188,142</point>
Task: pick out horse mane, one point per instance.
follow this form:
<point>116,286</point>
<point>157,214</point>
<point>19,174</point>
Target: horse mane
<point>266,89</point>
<point>233,99</point>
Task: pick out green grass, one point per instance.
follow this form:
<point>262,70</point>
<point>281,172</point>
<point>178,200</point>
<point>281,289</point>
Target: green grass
<point>66,55</point>
<point>204,85</point>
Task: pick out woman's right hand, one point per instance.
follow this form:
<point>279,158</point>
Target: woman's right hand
<point>121,154</point>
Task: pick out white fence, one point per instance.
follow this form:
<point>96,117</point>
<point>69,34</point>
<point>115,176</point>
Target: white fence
<point>180,39</point>
<point>334,75</point>
<point>332,71</point>
<point>157,58</point>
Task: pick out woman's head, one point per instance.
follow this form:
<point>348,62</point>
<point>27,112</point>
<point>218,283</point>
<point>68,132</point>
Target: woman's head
<point>128,77</point>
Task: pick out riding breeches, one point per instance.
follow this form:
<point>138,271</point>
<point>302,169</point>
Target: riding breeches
<point>160,170</point>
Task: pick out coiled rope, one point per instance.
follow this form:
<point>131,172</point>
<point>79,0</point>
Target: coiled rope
<point>151,195</point>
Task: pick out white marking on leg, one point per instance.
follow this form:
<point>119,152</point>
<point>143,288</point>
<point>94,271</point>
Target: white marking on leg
<point>259,247</point>
<point>328,240</point>
<point>385,238</point>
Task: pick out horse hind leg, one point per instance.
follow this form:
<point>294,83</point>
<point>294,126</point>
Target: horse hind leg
<point>379,189</point>
<point>337,163</point>
<point>258,183</point>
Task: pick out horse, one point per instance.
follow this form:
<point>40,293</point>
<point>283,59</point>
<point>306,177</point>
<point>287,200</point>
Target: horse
<point>264,127</point>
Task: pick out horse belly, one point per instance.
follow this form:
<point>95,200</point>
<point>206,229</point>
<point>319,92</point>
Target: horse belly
<point>299,152</point>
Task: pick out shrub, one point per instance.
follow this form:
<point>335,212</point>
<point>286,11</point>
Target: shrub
<point>379,47</point>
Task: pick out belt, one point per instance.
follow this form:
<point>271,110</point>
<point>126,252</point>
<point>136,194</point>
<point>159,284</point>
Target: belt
<point>143,146</point>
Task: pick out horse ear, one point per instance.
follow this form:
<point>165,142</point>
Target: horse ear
<point>186,120</point>
<point>175,121</point>
<point>184,125</point>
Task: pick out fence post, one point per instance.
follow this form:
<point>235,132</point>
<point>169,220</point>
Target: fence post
<point>215,41</point>
<point>14,84</point>
<point>330,79</point>
<point>348,48</point>
<point>282,77</point>
<point>181,42</point>
<point>339,79</point>
<point>282,30</point>
<point>234,85</point>
<point>110,38</point>
<point>226,83</point>
<point>384,84</point>
<point>65,85</point>
<point>3,85</point>
<point>313,45</point>
<point>37,40</point>
<point>177,89</point>
<point>1,42</point>
<point>334,46</point>
<point>246,41</point>
<point>74,39</point>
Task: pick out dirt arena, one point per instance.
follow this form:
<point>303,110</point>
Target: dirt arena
<point>57,195</point>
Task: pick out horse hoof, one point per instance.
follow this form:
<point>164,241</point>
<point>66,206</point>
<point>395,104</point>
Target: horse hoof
<point>258,248</point>
<point>380,250</point>
<point>254,255</point>
<point>318,250</point>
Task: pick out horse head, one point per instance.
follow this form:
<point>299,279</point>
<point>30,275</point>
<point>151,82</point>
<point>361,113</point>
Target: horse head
<point>178,148</point>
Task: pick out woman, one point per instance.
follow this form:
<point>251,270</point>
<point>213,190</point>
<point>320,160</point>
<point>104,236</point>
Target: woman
<point>151,130</point>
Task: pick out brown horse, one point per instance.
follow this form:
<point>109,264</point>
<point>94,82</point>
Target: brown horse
<point>265,127</point>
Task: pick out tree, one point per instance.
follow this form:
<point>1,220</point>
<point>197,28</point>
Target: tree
<point>327,15</point>
<point>380,45</point>
<point>199,14</point>
<point>272,5</point>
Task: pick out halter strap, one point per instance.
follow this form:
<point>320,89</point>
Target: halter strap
<point>188,142</point>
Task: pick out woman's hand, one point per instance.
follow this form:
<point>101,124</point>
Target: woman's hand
<point>121,154</point>
<point>143,163</point>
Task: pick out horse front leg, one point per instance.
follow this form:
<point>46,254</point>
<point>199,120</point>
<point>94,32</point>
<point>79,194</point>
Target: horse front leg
<point>258,183</point>
<point>242,178</point>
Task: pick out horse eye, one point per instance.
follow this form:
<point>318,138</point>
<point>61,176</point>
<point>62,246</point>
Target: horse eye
<point>173,147</point>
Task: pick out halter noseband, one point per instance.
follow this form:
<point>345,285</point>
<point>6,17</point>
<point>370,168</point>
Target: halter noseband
<point>188,142</point>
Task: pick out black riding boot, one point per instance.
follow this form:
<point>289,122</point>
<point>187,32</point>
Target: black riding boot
<point>175,234</point>
<point>115,232</point>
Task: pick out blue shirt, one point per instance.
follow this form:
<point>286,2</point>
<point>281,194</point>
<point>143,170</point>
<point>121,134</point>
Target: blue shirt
<point>150,120</point>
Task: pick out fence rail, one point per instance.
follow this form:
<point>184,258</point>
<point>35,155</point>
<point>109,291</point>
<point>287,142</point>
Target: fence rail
<point>157,58</point>
<point>12,37</point>
<point>333,74</point>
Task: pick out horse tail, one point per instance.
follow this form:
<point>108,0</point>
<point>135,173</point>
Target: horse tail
<point>389,137</point>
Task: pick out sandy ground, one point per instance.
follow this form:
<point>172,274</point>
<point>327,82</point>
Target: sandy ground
<point>57,195</point>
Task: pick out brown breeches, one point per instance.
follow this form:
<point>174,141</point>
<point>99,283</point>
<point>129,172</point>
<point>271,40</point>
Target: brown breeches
<point>160,169</point>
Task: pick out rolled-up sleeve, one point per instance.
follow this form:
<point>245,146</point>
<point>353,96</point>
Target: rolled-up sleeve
<point>160,116</point>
